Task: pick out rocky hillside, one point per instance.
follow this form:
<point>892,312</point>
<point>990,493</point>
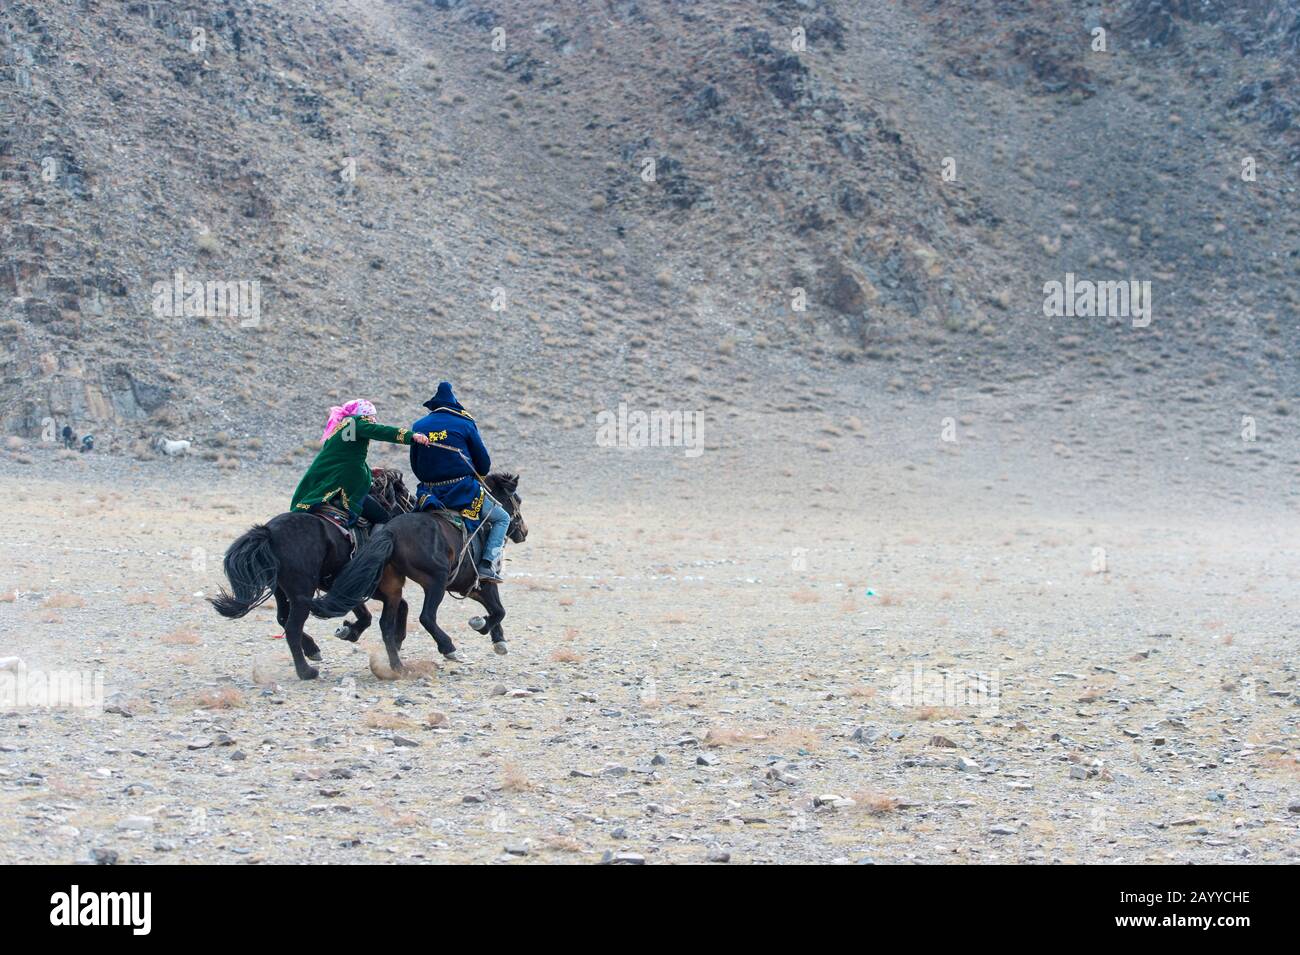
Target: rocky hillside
<point>560,204</point>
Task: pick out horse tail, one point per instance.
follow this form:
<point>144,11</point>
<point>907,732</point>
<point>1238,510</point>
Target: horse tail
<point>251,568</point>
<point>359,577</point>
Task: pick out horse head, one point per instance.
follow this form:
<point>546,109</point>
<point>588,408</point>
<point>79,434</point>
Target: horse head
<point>505,488</point>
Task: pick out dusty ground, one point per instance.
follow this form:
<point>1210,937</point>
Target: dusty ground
<point>688,673</point>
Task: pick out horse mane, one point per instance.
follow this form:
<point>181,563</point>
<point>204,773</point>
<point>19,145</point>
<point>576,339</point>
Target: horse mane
<point>390,490</point>
<point>505,481</point>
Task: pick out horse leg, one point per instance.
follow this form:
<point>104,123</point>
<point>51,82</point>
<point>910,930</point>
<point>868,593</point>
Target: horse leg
<point>309,647</point>
<point>402,610</point>
<point>363,621</point>
<point>433,594</point>
<point>351,630</point>
<point>392,621</point>
<point>281,607</point>
<point>488,595</point>
<point>293,636</point>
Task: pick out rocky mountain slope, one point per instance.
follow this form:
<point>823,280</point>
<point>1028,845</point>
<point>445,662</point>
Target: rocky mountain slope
<point>561,204</point>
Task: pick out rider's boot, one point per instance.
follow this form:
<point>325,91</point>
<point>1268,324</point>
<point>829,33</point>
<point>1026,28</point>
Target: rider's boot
<point>489,571</point>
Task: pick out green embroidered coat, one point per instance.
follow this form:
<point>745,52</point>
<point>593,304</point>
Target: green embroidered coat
<point>340,474</point>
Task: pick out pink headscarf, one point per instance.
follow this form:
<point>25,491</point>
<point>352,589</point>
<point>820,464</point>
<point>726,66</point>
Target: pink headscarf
<point>357,406</point>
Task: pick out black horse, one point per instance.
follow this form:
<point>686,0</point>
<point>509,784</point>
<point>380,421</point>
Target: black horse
<point>293,555</point>
<point>427,548</point>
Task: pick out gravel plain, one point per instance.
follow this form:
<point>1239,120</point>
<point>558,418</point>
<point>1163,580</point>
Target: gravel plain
<point>954,684</point>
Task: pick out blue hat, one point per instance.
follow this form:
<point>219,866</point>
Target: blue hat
<point>445,398</point>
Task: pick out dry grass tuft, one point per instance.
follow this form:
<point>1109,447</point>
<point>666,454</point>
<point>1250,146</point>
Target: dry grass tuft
<point>559,843</point>
<point>875,803</point>
<point>674,618</point>
<point>225,698</point>
<point>728,736</point>
<point>515,780</point>
<point>437,719</point>
<point>925,714</point>
<point>63,601</point>
<point>565,655</point>
<point>1280,762</point>
<point>791,737</point>
<point>862,692</point>
<point>380,720</point>
<point>8,596</point>
<point>796,737</point>
<point>805,597</point>
<point>184,637</point>
<point>401,820</point>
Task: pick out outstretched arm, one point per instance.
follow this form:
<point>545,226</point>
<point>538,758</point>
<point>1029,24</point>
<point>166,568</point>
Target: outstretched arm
<point>383,432</point>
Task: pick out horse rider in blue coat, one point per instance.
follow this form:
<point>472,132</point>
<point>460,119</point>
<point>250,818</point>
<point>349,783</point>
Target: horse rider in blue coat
<point>449,467</point>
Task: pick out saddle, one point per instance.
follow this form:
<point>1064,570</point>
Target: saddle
<point>387,487</point>
<point>357,533</point>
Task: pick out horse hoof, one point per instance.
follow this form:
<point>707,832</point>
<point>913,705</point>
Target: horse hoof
<point>314,657</point>
<point>345,632</point>
<point>500,648</point>
<point>308,673</point>
<point>454,656</point>
<point>478,623</point>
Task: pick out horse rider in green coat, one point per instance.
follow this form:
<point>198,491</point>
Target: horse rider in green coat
<point>339,476</point>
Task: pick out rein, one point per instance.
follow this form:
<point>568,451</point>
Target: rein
<point>460,560</point>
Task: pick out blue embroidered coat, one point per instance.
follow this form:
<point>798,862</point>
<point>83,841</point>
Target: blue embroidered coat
<point>448,465</point>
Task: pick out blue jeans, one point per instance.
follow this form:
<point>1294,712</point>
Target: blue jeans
<point>498,521</point>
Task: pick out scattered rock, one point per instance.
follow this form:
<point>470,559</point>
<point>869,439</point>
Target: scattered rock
<point>622,858</point>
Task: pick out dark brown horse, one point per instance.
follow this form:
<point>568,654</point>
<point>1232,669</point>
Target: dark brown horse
<point>292,556</point>
<point>425,547</point>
